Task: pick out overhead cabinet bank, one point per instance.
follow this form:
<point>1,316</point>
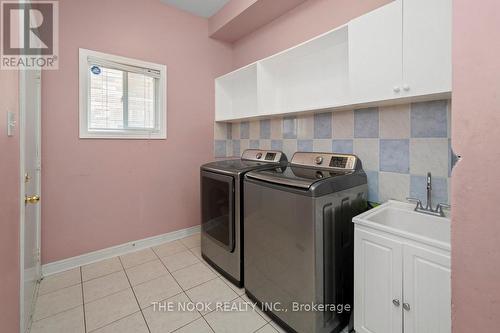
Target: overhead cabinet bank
<point>398,52</point>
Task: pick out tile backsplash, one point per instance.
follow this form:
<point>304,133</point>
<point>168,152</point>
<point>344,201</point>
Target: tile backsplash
<point>397,145</point>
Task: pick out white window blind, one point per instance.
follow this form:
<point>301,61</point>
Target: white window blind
<point>122,98</point>
<point>106,109</point>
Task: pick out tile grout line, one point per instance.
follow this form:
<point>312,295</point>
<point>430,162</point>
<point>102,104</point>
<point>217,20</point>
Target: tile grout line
<point>114,321</point>
<point>80,268</point>
<point>147,281</point>
<point>227,282</point>
<point>183,292</point>
<point>171,272</point>
<point>231,300</point>
<point>262,327</point>
<point>145,262</point>
<point>241,297</point>
<point>65,310</point>
<point>53,291</point>
<point>198,262</point>
<point>123,267</point>
<point>58,313</point>
<point>206,321</point>
<point>101,297</point>
<point>101,276</point>
<point>83,301</point>
<point>201,314</point>
<point>135,296</point>
<point>261,316</point>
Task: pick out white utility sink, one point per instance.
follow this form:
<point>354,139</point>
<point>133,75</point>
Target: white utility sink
<point>399,218</point>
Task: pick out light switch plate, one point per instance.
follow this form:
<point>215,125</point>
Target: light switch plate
<point>11,123</point>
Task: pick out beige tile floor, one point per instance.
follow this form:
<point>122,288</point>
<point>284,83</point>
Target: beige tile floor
<point>116,295</point>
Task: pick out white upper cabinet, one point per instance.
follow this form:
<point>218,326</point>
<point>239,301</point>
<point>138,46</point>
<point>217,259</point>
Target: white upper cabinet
<point>375,62</point>
<point>427,31</point>
<point>399,51</point>
<point>310,76</point>
<point>236,94</point>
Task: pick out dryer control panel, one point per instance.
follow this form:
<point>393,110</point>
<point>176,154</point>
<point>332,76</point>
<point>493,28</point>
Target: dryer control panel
<point>257,155</point>
<point>325,160</point>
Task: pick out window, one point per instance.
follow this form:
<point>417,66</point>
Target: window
<point>121,98</point>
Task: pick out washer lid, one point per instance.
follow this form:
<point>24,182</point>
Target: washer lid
<point>296,176</point>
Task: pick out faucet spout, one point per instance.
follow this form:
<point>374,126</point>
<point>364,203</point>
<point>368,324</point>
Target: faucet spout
<point>429,191</point>
<point>428,207</point>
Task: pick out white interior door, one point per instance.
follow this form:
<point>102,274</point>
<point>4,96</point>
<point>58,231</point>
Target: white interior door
<point>378,278</point>
<point>427,291</point>
<point>30,112</point>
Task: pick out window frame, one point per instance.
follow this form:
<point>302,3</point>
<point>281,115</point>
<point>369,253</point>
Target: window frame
<point>84,99</point>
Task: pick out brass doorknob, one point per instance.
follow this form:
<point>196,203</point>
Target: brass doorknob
<point>32,199</point>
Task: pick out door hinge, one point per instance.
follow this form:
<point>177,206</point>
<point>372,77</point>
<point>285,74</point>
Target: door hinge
<point>38,255</point>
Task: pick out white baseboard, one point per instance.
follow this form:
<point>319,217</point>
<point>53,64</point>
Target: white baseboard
<point>91,257</point>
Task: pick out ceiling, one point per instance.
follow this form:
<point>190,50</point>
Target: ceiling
<point>204,8</point>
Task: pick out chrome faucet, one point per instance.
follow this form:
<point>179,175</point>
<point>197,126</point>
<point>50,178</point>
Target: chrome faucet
<point>438,211</point>
<point>429,192</point>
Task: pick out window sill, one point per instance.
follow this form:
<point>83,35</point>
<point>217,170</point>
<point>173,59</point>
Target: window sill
<point>123,135</point>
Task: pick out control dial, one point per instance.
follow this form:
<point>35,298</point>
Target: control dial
<point>258,156</point>
<point>318,160</point>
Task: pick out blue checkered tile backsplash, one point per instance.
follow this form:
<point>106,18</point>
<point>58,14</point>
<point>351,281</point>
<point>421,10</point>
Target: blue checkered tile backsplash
<point>397,145</point>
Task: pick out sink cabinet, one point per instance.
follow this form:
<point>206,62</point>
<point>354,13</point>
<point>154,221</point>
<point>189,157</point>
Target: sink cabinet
<point>400,285</point>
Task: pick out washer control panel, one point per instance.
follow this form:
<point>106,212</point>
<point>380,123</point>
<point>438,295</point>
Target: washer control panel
<point>325,160</point>
<point>269,156</point>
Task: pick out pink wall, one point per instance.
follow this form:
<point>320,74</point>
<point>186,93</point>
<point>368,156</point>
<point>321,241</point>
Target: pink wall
<point>9,205</point>
<point>475,187</point>
<point>298,25</point>
<point>99,193</point>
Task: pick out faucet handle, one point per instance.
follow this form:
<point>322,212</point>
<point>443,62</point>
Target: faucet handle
<point>415,200</point>
<point>439,208</point>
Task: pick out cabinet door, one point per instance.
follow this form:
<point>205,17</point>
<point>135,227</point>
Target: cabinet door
<point>427,291</point>
<point>377,282</point>
<point>375,54</point>
<point>426,46</point>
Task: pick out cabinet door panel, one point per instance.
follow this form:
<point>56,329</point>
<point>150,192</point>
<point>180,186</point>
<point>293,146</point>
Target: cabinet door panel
<point>377,282</point>
<point>375,54</point>
<point>427,290</point>
<point>427,46</point>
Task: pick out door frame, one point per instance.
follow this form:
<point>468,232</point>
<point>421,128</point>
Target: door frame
<point>22,131</point>
<point>22,142</point>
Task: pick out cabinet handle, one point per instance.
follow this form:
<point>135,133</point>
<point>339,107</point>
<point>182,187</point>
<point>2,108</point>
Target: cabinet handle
<point>406,87</point>
<point>396,302</point>
<point>396,89</point>
<point>406,306</point>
